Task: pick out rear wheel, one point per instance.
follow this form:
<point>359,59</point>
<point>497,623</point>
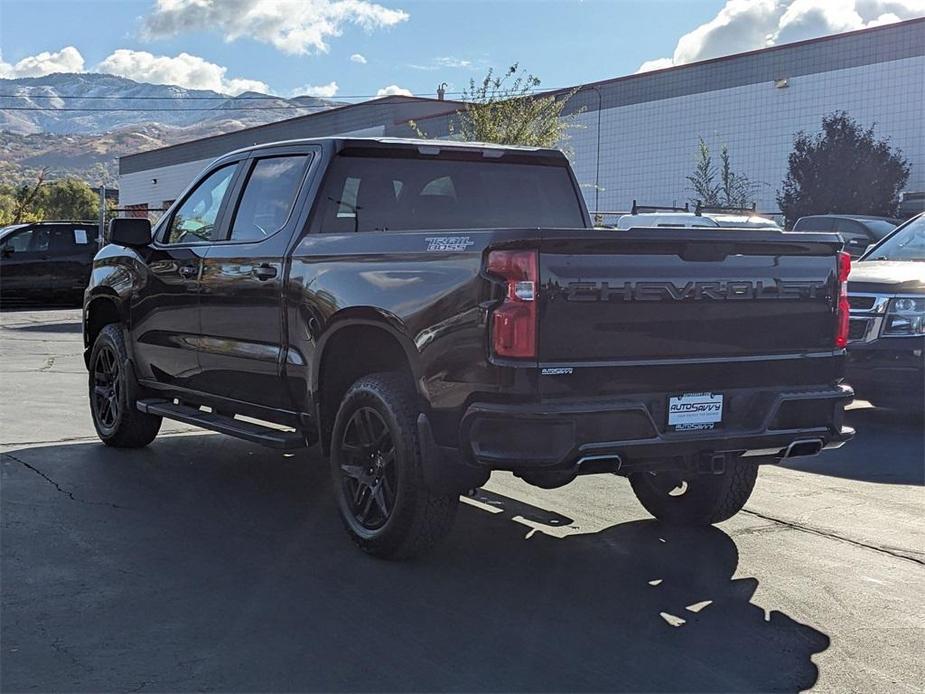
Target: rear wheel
<point>376,464</point>
<point>117,421</point>
<point>695,499</point>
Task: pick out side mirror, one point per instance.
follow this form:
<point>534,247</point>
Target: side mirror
<point>7,251</point>
<point>130,231</point>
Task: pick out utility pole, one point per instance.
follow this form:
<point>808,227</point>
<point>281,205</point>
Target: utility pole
<point>100,234</point>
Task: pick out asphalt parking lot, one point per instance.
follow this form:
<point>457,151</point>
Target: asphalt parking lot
<point>203,563</point>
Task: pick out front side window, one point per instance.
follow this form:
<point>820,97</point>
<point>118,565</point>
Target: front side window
<point>19,242</point>
<point>195,220</point>
<point>34,240</point>
<point>268,197</point>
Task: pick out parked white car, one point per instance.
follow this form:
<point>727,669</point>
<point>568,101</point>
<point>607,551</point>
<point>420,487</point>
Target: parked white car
<point>664,219</point>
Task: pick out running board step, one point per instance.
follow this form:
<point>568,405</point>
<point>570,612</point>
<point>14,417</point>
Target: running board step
<point>255,433</point>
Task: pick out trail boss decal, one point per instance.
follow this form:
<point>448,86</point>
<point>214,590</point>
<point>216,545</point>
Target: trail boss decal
<point>693,411</point>
<point>448,243</point>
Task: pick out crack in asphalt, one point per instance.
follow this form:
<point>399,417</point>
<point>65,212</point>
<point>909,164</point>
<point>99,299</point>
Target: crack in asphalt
<point>834,536</point>
<point>69,494</point>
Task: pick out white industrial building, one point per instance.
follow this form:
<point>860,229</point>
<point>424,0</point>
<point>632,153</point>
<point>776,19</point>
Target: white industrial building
<point>639,134</point>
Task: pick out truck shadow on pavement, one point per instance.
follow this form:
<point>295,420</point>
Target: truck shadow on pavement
<point>866,458</point>
<point>206,563</point>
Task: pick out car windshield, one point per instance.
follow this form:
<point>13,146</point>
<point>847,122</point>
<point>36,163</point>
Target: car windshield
<point>906,244</point>
<point>7,230</point>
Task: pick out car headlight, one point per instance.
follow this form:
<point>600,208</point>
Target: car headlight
<point>905,316</point>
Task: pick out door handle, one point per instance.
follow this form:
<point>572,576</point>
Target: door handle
<point>264,272</point>
<point>188,271</point>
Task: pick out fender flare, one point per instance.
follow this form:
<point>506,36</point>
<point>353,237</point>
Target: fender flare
<point>100,295</point>
<point>374,318</point>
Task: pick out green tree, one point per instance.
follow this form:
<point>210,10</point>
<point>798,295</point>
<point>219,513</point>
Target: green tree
<point>722,187</point>
<point>703,181</point>
<point>504,110</point>
<point>69,198</point>
<point>26,203</point>
<point>736,188</point>
<point>843,169</point>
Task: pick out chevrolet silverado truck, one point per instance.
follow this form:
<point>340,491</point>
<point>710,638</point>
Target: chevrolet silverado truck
<point>428,312</point>
<point>886,292</point>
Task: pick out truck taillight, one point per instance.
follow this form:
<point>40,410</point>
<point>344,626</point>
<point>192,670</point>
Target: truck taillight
<point>843,311</point>
<point>513,323</point>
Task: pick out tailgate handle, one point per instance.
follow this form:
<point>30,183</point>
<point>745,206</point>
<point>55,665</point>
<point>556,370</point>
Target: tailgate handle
<point>706,251</point>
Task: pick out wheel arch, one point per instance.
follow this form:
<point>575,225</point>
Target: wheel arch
<point>99,311</point>
<point>343,355</point>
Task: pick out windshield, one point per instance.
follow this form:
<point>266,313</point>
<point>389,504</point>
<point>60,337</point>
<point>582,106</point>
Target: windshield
<point>906,244</point>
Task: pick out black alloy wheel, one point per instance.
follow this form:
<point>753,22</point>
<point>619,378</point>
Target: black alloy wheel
<point>370,472</point>
<point>107,388</point>
<point>377,468</point>
<point>111,386</point>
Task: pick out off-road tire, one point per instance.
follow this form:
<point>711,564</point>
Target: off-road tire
<point>707,499</point>
<point>127,427</point>
<point>418,518</point>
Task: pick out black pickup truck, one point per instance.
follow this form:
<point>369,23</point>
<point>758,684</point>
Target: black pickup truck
<point>431,311</point>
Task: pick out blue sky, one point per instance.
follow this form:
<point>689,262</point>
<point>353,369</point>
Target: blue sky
<point>293,46</point>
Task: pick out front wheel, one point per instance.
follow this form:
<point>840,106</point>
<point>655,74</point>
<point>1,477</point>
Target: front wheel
<point>118,423</point>
<point>695,499</point>
<point>384,503</point>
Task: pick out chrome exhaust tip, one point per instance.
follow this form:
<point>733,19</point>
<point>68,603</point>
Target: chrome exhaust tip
<point>803,448</point>
<point>594,464</point>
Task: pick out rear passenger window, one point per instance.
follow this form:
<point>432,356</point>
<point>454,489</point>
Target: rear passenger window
<point>268,197</point>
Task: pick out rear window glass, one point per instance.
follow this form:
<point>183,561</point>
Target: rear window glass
<point>813,224</point>
<point>378,194</point>
<point>268,197</point>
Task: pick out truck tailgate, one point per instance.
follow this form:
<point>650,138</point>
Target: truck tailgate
<point>657,295</point>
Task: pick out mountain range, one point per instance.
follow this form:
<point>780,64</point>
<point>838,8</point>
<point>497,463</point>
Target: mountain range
<point>79,124</point>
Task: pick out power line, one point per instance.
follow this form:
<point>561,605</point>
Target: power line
<point>185,98</point>
<point>243,98</point>
<point>139,109</point>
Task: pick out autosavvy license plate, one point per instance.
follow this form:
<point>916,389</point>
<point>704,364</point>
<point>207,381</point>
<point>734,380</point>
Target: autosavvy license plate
<point>695,411</point>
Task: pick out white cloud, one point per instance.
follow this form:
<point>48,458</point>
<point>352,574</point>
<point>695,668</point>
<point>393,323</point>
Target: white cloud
<point>394,90</point>
<point>292,26</point>
<point>444,62</point>
<point>184,70</point>
<point>745,25</point>
<point>68,59</point>
<point>656,64</point>
<point>324,91</point>
<point>358,58</point>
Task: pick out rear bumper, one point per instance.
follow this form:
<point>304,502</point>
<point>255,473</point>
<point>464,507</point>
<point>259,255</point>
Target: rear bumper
<point>888,371</point>
<point>564,434</point>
